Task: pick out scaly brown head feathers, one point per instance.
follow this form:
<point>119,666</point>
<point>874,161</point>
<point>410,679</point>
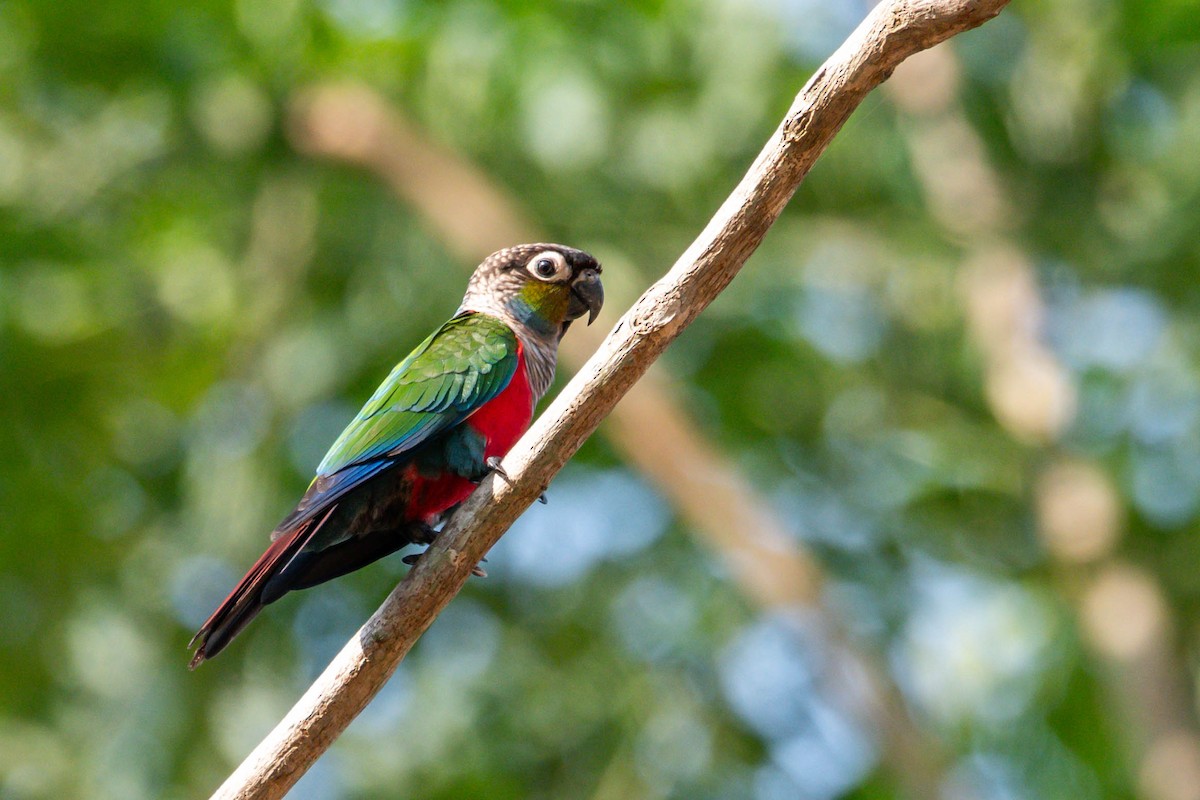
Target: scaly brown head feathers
<point>539,287</point>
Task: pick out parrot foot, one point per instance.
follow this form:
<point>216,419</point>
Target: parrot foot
<point>477,570</point>
<point>493,464</point>
<point>424,533</point>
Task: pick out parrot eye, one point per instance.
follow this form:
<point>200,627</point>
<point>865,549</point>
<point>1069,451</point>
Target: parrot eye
<point>547,265</point>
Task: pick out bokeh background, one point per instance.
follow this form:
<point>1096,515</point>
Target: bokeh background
<point>949,415</point>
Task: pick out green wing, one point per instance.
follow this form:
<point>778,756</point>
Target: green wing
<point>464,364</point>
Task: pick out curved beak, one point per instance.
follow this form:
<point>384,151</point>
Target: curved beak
<point>587,296</point>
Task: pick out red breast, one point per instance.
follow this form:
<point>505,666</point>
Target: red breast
<point>501,421</point>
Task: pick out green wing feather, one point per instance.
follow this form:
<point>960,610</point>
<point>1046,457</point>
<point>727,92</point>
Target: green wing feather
<point>464,364</point>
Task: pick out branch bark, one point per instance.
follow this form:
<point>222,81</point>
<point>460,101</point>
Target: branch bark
<point>473,217</point>
<point>651,427</point>
<point>892,32</point>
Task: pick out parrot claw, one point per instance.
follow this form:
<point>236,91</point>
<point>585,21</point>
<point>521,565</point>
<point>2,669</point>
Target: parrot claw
<point>478,571</point>
<point>493,464</point>
<point>424,533</point>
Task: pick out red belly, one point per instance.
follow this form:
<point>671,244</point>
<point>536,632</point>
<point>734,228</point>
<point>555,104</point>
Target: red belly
<point>501,421</point>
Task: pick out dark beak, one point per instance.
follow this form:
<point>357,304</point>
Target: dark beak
<point>587,296</point>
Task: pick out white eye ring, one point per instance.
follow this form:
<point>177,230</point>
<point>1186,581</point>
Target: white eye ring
<point>547,265</point>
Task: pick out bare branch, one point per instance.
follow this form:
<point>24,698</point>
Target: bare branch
<point>651,427</point>
<point>473,217</point>
<point>892,32</point>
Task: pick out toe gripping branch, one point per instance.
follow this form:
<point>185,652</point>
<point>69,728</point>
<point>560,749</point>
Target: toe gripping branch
<point>493,464</point>
<point>425,534</point>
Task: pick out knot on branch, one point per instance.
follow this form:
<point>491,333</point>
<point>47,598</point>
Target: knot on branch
<point>657,312</point>
<point>796,125</point>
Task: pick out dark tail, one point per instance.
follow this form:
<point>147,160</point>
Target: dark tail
<point>247,598</point>
<point>286,566</point>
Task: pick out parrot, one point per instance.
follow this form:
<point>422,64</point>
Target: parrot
<point>437,426</point>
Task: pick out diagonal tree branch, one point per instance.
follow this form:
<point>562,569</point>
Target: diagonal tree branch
<point>892,32</point>
<point>650,426</point>
<point>474,217</point>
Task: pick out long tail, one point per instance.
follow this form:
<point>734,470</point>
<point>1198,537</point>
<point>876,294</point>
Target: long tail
<point>246,599</point>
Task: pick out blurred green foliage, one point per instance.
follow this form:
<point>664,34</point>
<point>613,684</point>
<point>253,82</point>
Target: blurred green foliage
<point>190,310</point>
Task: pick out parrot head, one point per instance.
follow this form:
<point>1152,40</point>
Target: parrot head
<point>539,287</point>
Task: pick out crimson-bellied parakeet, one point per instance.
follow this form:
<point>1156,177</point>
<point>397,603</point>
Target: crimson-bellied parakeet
<point>433,430</point>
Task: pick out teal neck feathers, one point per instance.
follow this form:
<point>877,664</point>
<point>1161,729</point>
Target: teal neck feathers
<point>540,307</point>
<point>535,312</point>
